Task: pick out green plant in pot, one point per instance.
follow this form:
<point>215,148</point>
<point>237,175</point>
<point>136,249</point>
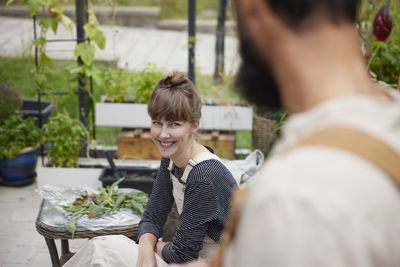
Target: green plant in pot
<point>144,82</point>
<point>66,136</point>
<point>18,134</point>
<point>19,140</point>
<point>118,85</point>
<point>19,143</point>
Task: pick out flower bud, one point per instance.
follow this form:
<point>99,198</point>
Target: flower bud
<point>382,24</point>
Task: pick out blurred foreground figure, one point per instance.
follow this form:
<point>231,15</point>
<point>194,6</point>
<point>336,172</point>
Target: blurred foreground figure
<point>326,196</point>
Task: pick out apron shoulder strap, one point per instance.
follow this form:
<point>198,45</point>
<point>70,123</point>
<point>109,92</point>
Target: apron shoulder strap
<point>171,165</point>
<point>349,139</point>
<point>359,143</point>
<point>202,156</point>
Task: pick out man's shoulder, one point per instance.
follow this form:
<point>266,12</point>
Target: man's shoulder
<point>317,171</point>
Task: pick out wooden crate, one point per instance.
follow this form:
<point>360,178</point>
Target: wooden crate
<point>223,142</point>
<point>137,144</point>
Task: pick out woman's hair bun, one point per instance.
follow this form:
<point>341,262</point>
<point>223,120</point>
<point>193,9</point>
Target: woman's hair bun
<point>177,78</point>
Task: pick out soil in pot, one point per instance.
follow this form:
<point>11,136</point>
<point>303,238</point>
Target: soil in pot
<point>138,178</point>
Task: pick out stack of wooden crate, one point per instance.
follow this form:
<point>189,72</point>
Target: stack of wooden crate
<point>137,144</point>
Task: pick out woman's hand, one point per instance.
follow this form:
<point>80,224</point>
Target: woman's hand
<point>146,257</point>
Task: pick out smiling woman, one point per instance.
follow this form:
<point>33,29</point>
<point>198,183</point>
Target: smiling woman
<point>175,109</point>
<point>190,174</point>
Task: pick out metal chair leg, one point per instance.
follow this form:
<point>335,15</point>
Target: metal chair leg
<point>55,261</point>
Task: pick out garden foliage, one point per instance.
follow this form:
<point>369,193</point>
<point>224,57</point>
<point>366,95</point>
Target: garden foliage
<point>66,137</point>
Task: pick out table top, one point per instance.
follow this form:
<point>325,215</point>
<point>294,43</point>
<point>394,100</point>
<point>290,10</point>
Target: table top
<point>54,232</point>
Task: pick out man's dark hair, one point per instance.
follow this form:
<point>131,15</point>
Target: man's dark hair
<point>296,13</point>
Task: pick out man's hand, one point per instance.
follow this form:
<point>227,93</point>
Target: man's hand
<point>159,247</point>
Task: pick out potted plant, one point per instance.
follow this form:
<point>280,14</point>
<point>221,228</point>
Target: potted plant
<point>19,143</point>
<point>19,140</point>
<point>118,85</point>
<point>66,136</point>
<point>129,115</point>
<point>117,109</point>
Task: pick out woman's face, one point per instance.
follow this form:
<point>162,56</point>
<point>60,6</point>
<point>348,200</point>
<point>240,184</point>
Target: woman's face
<point>172,138</point>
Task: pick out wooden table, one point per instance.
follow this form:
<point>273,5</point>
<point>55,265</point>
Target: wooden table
<point>50,233</point>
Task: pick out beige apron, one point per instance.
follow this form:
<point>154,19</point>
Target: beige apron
<point>209,246</point>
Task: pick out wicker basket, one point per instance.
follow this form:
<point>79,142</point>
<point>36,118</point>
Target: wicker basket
<point>50,233</point>
<point>263,132</point>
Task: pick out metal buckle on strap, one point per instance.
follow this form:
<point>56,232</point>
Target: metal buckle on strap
<point>171,165</point>
<point>192,162</point>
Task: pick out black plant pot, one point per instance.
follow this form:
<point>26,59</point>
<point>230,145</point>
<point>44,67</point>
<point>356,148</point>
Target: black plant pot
<point>140,178</point>
<point>30,108</point>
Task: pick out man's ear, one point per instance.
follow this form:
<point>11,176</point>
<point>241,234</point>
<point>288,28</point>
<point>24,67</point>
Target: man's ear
<point>245,7</point>
<point>260,23</point>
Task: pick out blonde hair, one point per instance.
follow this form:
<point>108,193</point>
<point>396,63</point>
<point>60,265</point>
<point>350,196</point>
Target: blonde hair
<point>175,99</point>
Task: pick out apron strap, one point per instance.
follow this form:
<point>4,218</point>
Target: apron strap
<point>353,140</point>
<point>171,165</point>
<point>202,156</point>
<point>359,143</point>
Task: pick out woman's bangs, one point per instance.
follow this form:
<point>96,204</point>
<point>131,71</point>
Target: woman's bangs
<point>169,108</point>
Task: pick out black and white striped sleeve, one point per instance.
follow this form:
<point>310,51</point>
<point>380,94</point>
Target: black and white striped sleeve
<point>206,204</point>
<point>159,204</point>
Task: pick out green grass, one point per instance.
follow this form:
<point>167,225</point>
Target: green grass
<point>107,136</point>
<point>224,91</point>
<point>243,139</point>
<point>19,71</point>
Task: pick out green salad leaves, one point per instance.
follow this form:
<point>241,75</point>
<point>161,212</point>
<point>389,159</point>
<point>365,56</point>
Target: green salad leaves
<point>103,203</point>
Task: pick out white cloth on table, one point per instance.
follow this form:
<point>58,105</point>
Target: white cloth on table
<point>106,251</point>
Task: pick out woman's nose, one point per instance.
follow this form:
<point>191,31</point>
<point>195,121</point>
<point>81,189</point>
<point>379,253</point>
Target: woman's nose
<point>164,132</point>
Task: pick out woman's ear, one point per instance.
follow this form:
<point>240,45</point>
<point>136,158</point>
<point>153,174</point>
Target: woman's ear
<point>195,126</point>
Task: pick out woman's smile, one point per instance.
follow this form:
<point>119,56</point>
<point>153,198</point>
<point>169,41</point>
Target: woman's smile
<point>166,144</point>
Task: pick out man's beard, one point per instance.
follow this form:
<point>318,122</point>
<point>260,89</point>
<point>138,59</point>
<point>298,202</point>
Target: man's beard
<point>255,79</point>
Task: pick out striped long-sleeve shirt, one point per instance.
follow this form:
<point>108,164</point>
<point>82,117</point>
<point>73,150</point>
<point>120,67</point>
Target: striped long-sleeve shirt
<point>205,208</point>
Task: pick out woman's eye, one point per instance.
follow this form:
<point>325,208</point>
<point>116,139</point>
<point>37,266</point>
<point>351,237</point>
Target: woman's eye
<point>176,124</point>
<point>156,123</point>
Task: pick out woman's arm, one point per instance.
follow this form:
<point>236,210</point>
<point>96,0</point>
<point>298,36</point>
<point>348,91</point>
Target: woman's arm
<point>159,204</point>
<point>198,210</point>
<point>146,257</point>
<point>206,205</point>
